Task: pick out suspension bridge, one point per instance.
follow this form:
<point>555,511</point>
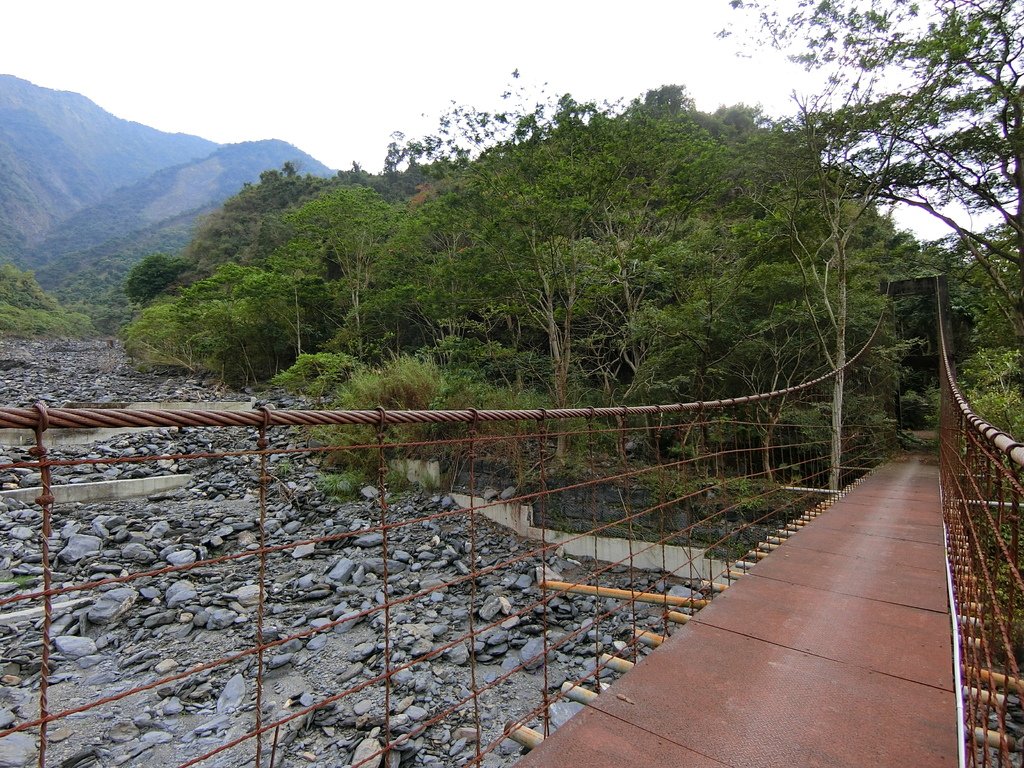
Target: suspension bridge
<point>682,575</point>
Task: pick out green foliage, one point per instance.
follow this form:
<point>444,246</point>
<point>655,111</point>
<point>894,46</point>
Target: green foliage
<point>318,375</point>
<point>992,385</point>
<point>152,276</point>
<point>568,253</point>
<point>245,323</point>
<point>26,310</point>
<point>934,88</point>
<point>249,226</point>
<point>405,383</point>
<point>340,486</point>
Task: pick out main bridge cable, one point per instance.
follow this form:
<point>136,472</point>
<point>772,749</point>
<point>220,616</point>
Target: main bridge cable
<point>1003,441</point>
<point>997,442</point>
<point>92,418</point>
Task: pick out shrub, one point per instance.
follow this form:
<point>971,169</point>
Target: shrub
<point>318,375</point>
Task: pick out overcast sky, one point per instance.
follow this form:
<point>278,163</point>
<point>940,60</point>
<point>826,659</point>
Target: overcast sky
<point>337,80</point>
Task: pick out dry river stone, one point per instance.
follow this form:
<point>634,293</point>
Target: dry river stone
<point>232,696</point>
<point>112,605</point>
<point>80,545</point>
<point>362,754</point>
<point>17,750</point>
<point>75,647</point>
<point>180,593</point>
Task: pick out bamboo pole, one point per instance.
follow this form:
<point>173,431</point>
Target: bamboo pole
<point>625,594</point>
<point>526,737</point>
<point>615,663</point>
<point>578,693</point>
<point>1000,680</point>
<point>651,639</point>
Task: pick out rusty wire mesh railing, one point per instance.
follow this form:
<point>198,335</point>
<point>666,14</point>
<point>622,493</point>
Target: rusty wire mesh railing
<point>491,570</point>
<point>982,490</point>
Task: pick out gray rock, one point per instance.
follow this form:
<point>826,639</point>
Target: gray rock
<point>220,722</point>
<point>21,533</point>
<point>232,696</point>
<point>348,620</point>
<point>220,618</point>
<point>494,605</point>
<point>247,596</point>
<point>138,553</point>
<point>362,707</point>
<point>364,749</point>
<point>370,540</point>
<point>369,492</point>
<point>342,571</point>
<point>352,670</point>
<point>534,647</point>
<point>180,593</point>
<point>416,713</point>
<point>181,557</point>
<point>17,750</point>
<point>112,605</point>
<point>303,550</point>
<point>525,581</point>
<point>75,647</point>
<point>280,660</point>
<point>459,654</point>
<point>680,591</point>
<point>79,546</point>
<point>362,652</point>
<point>172,707</point>
<point>561,711</point>
<point>123,732</point>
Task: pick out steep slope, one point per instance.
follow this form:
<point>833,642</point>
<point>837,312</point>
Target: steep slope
<point>158,210</point>
<point>60,152</point>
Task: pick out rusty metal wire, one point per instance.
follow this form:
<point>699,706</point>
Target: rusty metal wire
<point>982,477</point>
<point>642,500</point>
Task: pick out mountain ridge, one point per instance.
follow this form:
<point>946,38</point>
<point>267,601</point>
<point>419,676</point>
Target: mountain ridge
<point>82,188</point>
<point>62,152</point>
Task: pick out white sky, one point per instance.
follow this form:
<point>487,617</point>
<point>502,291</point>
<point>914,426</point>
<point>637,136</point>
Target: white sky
<point>336,79</point>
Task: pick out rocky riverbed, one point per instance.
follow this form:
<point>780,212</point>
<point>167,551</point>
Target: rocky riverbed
<point>146,631</point>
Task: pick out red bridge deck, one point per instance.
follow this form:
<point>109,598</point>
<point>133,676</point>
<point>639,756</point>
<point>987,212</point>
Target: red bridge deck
<point>834,651</point>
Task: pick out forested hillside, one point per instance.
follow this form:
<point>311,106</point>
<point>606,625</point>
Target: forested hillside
<point>84,195</point>
<point>582,253</point>
<point>25,310</point>
<point>59,152</point>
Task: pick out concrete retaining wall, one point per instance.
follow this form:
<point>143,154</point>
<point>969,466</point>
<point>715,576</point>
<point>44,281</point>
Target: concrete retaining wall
<point>55,437</point>
<point>103,490</point>
<point>173,405</point>
<point>685,562</point>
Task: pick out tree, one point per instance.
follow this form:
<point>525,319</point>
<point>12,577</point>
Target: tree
<point>151,276</point>
<point>348,230</point>
<point>948,105</point>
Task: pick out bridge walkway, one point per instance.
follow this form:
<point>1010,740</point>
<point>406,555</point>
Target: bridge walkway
<point>834,651</point>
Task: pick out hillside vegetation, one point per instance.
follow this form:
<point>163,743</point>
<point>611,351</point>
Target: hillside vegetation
<point>583,253</point>
<point>59,153</point>
<point>26,310</point>
<point>85,195</point>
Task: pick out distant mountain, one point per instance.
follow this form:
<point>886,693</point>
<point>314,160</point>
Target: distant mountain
<point>93,193</point>
<point>59,152</point>
<point>157,213</point>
